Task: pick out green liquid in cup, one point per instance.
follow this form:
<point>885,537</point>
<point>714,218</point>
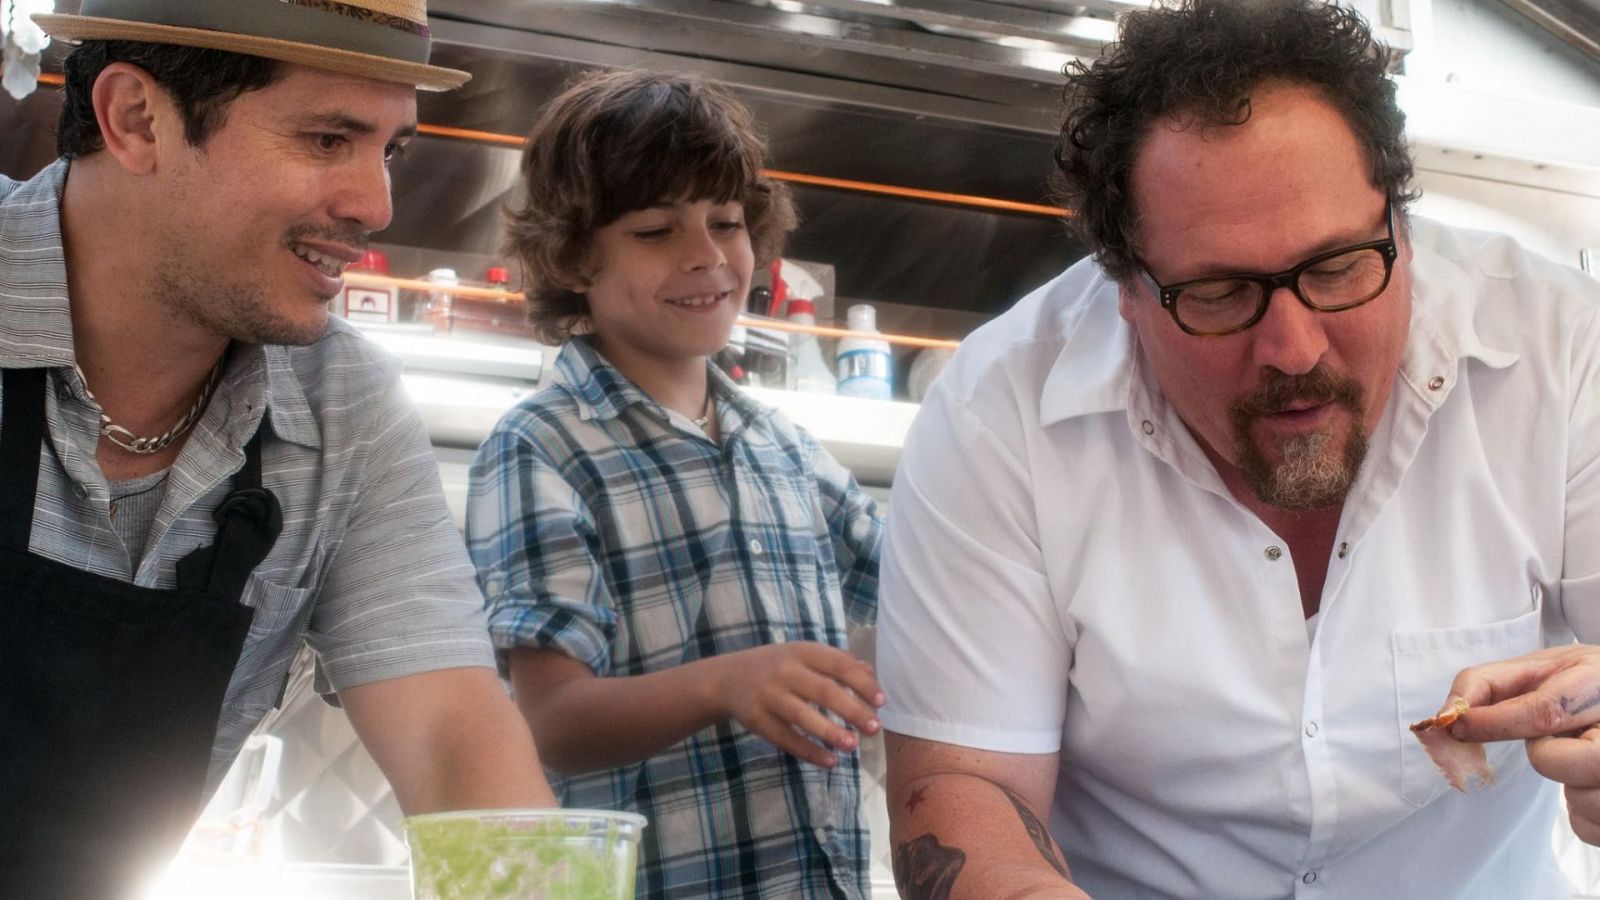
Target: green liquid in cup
<point>467,857</point>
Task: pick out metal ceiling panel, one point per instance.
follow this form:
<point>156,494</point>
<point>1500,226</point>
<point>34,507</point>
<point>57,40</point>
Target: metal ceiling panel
<point>1576,22</point>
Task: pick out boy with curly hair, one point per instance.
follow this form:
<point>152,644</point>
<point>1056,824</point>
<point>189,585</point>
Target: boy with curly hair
<point>672,566</point>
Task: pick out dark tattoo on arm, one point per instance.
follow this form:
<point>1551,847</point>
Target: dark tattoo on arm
<point>918,797</point>
<point>925,869</point>
<point>1038,834</point>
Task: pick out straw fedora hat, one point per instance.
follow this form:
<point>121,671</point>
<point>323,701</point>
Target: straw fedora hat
<point>383,39</point>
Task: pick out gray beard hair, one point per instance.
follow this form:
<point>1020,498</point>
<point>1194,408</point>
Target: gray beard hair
<point>1311,475</point>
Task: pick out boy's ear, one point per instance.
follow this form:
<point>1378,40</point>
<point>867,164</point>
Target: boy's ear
<point>580,281</point>
<point>575,284</point>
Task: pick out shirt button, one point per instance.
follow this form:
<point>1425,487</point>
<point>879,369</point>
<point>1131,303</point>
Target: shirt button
<point>1309,878</point>
<point>1344,549</point>
<point>1435,382</point>
<point>81,491</point>
<point>1311,729</point>
<point>1147,427</point>
<point>755,547</point>
<point>1274,553</point>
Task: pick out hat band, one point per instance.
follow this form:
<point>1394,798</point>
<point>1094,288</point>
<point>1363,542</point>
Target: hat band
<point>284,20</point>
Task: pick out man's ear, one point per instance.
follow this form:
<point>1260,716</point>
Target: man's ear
<point>133,112</point>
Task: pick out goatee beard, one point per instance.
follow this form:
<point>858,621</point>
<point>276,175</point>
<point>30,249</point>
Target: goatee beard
<point>1311,474</point>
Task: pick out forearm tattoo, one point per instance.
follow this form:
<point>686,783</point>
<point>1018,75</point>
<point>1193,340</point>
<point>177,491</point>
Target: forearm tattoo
<point>1038,834</point>
<point>925,869</point>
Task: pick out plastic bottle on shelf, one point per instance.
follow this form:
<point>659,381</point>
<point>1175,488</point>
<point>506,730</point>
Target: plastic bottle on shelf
<point>441,304</point>
<point>864,363</point>
<point>759,302</point>
<point>811,372</point>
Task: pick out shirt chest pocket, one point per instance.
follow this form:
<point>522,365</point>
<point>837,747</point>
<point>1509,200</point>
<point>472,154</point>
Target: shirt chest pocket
<point>282,614</point>
<point>1425,665</point>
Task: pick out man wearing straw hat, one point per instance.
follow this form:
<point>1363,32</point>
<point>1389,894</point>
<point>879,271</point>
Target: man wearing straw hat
<point>197,467</point>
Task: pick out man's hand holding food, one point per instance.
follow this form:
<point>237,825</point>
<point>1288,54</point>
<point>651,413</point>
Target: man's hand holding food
<point>1551,699</point>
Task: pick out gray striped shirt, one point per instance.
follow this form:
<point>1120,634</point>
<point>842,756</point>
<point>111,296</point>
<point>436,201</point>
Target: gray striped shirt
<point>369,568</point>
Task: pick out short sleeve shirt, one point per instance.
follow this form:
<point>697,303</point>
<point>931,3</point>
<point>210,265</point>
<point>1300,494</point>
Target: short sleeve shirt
<point>1065,572</point>
<point>369,568</point>
<point>613,530</point>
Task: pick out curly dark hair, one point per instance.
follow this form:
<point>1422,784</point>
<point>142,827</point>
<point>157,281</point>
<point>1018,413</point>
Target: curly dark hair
<point>1202,58</point>
<point>201,81</point>
<point>618,141</point>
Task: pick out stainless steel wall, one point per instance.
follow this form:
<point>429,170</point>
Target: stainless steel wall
<point>949,130</point>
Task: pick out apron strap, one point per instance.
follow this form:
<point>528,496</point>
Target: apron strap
<point>21,432</point>
<point>250,475</point>
<point>249,520</point>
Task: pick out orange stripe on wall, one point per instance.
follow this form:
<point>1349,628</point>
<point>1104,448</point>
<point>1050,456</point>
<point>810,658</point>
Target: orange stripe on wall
<point>843,184</point>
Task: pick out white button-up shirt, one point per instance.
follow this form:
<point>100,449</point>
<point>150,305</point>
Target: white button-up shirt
<point>1065,570</point>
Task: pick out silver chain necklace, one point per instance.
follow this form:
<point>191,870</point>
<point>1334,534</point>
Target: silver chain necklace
<point>146,446</point>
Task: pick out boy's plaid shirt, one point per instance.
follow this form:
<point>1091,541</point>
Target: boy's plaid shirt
<point>615,531</point>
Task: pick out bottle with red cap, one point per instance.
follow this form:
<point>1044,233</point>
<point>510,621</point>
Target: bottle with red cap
<point>368,304</point>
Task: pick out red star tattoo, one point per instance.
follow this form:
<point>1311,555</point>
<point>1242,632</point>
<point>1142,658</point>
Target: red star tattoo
<point>916,798</point>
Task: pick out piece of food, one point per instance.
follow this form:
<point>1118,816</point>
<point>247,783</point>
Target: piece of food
<point>1463,763</point>
<point>466,858</point>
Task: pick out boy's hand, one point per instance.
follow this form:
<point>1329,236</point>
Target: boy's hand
<point>779,691</point>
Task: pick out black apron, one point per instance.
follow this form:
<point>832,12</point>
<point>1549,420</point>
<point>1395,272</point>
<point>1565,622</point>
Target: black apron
<point>110,693</point>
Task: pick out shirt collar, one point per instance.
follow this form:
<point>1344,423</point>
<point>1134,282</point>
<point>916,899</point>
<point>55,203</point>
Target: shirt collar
<point>602,392</point>
<point>598,388</point>
<point>1444,305</point>
<point>292,418</point>
<point>1095,370</point>
<point>36,315</point>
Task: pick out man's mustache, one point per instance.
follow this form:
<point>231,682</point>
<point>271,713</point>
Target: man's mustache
<point>1280,391</point>
<point>346,234</point>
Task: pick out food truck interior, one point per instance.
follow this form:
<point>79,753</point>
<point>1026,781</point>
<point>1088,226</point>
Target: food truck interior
<point>917,137</point>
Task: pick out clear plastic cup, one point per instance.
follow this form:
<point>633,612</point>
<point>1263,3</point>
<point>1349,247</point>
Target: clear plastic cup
<point>524,854</point>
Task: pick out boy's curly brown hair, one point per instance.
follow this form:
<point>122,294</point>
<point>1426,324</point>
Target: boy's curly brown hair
<point>617,141</point>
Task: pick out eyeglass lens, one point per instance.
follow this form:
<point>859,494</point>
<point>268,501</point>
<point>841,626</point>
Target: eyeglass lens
<point>1338,282</point>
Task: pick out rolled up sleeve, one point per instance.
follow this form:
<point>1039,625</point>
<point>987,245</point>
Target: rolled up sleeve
<point>535,545</point>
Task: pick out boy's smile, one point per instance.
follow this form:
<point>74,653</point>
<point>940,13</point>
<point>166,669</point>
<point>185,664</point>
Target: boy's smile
<point>701,301</point>
<point>668,281</point>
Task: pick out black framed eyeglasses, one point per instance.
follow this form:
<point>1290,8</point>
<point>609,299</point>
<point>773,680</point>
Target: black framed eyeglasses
<point>1328,282</point>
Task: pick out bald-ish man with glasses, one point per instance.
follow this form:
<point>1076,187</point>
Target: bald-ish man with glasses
<point>1183,543</point>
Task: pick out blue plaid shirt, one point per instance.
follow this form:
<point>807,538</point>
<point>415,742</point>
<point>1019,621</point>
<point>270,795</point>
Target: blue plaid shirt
<point>611,529</point>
